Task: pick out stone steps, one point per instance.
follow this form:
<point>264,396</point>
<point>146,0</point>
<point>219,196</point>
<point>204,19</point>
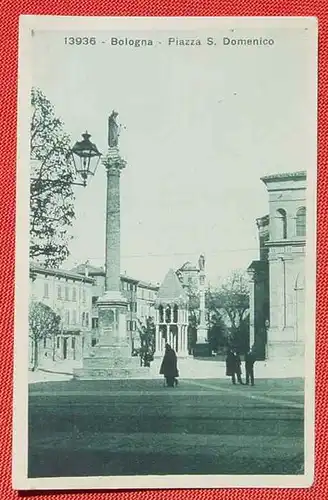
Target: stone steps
<point>111,373</point>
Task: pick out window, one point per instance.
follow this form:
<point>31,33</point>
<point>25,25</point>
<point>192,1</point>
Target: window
<point>83,296</point>
<point>73,342</point>
<point>58,342</point>
<point>59,292</point>
<point>67,317</point>
<point>94,322</point>
<point>281,223</point>
<point>74,295</point>
<point>45,342</point>
<point>46,290</point>
<point>66,293</point>
<point>86,319</point>
<point>131,326</point>
<point>301,222</point>
<point>74,317</point>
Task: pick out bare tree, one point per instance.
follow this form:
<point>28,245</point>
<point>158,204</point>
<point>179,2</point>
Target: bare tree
<point>231,299</point>
<point>43,323</point>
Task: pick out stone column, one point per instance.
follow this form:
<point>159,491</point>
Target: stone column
<point>202,329</point>
<point>112,306</point>
<point>251,275</point>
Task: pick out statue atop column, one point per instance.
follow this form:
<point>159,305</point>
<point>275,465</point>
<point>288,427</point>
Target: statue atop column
<point>201,262</point>
<point>113,130</point>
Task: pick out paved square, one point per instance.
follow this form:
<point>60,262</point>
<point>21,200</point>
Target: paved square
<point>98,428</point>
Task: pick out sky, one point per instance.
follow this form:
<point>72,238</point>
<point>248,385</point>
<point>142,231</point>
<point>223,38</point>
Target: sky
<point>201,126</point>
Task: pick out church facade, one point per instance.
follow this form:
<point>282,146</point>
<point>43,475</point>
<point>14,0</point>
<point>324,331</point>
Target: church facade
<point>277,278</point>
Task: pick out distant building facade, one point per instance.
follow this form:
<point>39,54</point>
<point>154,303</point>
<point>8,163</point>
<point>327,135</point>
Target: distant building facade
<point>277,279</point>
<point>70,296</point>
<point>188,275</point>
<point>140,296</point>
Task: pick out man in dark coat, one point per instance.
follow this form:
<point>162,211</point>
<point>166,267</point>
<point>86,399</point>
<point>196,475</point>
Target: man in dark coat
<point>249,366</point>
<point>169,367</point>
<point>233,366</point>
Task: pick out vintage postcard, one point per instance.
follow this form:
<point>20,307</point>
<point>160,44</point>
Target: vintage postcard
<point>165,259</point>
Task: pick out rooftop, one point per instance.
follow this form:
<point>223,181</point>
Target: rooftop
<point>188,266</point>
<point>62,273</point>
<point>100,271</point>
<point>301,174</point>
<point>171,289</point>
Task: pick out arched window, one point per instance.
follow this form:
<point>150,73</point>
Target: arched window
<point>281,224</point>
<point>301,222</point>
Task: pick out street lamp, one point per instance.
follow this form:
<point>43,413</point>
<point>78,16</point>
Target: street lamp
<point>86,157</point>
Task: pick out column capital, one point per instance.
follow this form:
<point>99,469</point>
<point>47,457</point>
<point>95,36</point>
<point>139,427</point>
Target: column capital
<point>113,162</point>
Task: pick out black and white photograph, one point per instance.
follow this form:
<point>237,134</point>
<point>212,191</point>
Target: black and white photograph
<point>165,253</point>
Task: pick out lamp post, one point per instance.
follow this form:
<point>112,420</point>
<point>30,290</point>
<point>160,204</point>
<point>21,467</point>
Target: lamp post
<point>85,157</point>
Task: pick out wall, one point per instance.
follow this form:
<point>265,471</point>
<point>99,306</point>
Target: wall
<point>74,305</point>
<point>286,268</point>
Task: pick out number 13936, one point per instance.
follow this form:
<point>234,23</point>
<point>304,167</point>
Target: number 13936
<point>80,40</point>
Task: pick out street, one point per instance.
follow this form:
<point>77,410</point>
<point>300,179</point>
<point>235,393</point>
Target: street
<point>139,427</point>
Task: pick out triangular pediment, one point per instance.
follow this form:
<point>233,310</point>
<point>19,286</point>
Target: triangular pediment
<point>171,289</point>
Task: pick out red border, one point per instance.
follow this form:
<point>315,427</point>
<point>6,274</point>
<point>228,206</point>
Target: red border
<point>9,14</point>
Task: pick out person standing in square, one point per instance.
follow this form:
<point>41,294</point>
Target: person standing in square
<point>249,366</point>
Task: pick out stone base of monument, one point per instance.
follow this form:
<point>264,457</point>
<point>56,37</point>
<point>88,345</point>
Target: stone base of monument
<point>110,362</point>
<point>111,358</point>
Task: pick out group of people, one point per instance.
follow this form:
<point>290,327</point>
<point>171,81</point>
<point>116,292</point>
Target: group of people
<point>233,366</point>
<point>169,366</point>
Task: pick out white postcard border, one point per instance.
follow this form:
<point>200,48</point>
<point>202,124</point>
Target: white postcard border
<point>20,418</point>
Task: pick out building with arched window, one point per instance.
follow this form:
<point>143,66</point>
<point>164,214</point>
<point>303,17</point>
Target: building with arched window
<point>277,284</point>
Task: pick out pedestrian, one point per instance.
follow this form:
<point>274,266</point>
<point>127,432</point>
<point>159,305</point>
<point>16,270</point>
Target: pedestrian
<point>238,367</point>
<point>169,367</point>
<point>250,359</point>
<point>233,366</point>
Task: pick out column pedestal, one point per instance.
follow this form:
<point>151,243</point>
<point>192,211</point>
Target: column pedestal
<point>111,357</point>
